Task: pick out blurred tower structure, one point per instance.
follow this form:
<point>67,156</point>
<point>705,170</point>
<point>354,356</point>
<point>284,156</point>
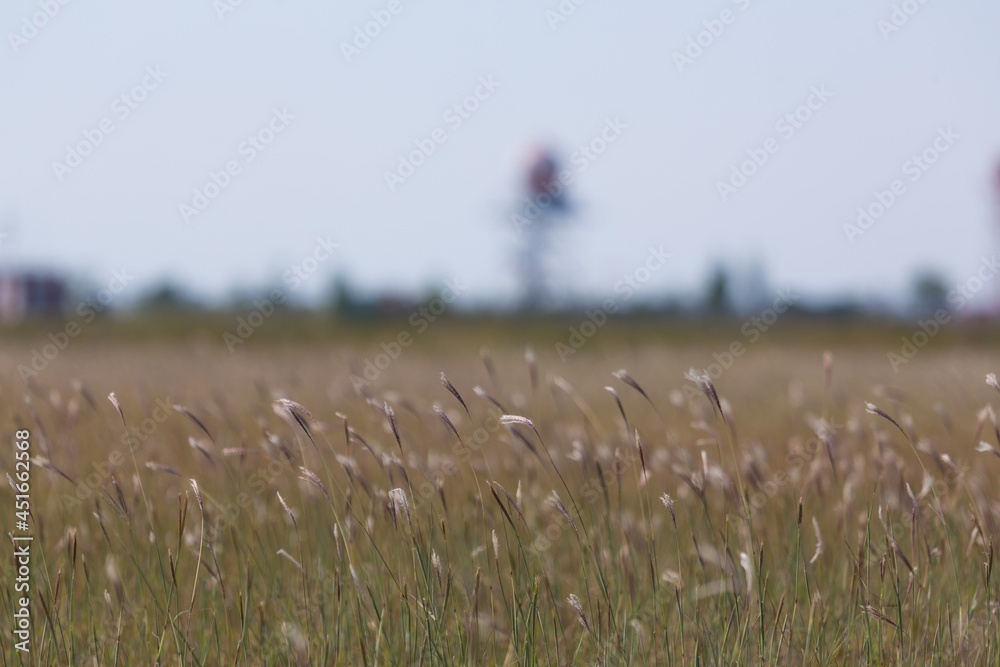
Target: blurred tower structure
<point>534,222</point>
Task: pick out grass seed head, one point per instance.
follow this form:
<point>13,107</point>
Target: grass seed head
<point>399,502</point>
<point>747,564</point>
<point>288,510</point>
<point>197,495</point>
<point>162,467</point>
<point>508,420</point>
<point>312,478</point>
<point>574,602</point>
<point>819,541</point>
<point>668,502</point>
<point>436,563</point>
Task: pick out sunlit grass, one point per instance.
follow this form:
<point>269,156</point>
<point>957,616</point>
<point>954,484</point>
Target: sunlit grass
<point>514,510</point>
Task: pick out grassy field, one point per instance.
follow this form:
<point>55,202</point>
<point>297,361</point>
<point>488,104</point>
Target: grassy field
<point>283,505</point>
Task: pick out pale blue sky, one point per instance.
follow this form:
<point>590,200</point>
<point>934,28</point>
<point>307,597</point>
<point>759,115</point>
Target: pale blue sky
<point>323,175</point>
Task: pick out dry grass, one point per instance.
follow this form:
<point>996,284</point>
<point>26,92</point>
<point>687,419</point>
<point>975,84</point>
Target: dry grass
<point>520,511</point>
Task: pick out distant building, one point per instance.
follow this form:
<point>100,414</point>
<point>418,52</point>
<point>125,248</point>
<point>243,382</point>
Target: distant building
<point>25,294</point>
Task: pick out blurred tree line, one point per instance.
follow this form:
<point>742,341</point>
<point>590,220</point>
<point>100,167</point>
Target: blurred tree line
<point>727,292</point>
